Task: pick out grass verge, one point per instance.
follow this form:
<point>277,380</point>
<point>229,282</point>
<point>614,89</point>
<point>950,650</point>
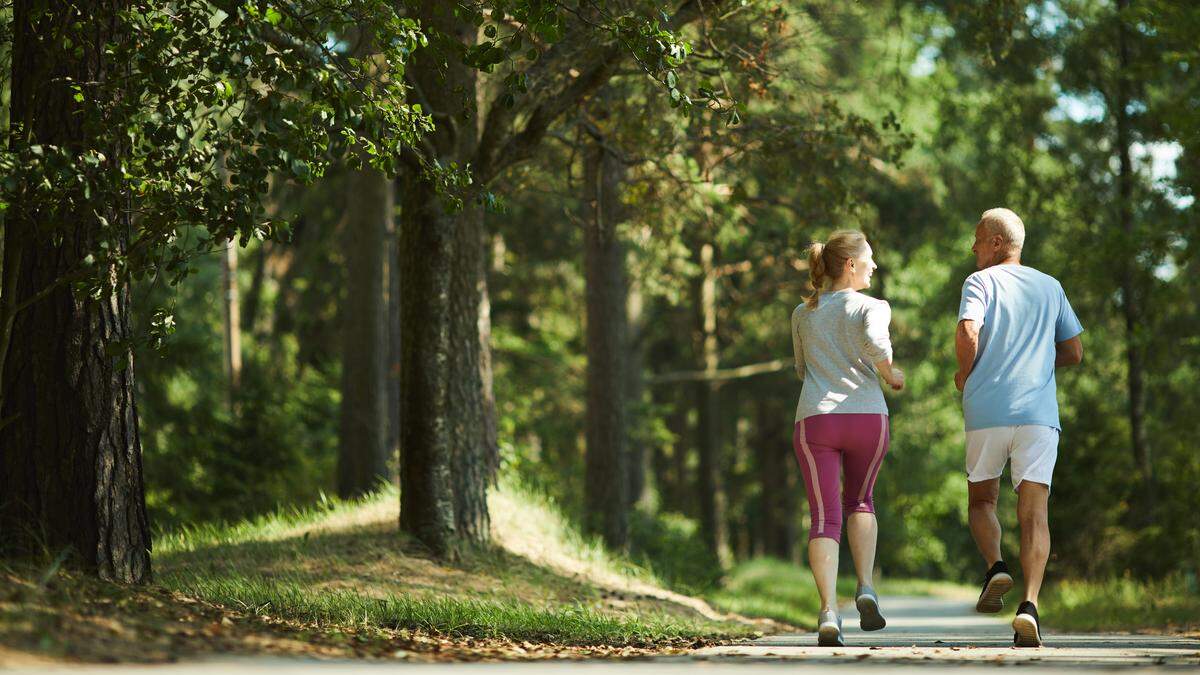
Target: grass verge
<point>452,616</point>
<point>345,566</point>
<point>1171,604</point>
<point>774,589</point>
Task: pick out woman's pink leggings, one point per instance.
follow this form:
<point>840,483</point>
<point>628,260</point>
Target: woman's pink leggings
<point>824,443</point>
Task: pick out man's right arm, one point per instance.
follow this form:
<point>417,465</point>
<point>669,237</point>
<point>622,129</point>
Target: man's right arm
<point>966,347</point>
<point>971,311</point>
<point>1068,352</point>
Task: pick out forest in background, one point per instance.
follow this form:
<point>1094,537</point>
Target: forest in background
<point>635,269</point>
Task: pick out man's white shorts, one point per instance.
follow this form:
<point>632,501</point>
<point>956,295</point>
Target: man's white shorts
<point>1033,449</point>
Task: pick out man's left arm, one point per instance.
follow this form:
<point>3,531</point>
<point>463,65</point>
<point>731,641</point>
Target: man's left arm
<point>1069,352</point>
<point>1068,348</point>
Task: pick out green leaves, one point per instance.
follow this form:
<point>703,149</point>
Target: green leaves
<point>212,99</point>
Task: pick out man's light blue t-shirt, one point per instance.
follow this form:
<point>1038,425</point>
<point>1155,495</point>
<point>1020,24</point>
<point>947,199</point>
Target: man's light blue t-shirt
<point>1022,314</point>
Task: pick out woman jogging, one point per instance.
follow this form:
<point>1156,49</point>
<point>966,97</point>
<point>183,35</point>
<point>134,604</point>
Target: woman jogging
<point>841,344</point>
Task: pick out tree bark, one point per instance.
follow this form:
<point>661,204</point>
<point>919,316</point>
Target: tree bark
<point>233,319</point>
<point>70,455</point>
<point>1130,295</point>
<point>362,451</point>
<point>606,492</point>
<point>777,480</point>
<point>712,497</point>
<point>447,412</point>
<point>392,443</point>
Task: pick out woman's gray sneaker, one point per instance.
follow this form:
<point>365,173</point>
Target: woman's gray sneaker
<point>829,629</point>
<point>869,616</point>
<point>996,583</point>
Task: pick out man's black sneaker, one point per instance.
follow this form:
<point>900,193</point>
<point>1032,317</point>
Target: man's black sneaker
<point>1027,626</point>
<point>996,583</point>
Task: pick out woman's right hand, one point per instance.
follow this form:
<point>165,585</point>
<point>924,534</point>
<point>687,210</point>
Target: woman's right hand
<point>897,381</point>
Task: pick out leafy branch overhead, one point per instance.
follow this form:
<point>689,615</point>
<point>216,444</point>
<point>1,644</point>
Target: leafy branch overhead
<point>203,105</point>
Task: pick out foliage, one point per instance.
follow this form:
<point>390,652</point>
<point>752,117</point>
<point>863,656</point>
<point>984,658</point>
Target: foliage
<point>903,119</point>
<point>201,104</point>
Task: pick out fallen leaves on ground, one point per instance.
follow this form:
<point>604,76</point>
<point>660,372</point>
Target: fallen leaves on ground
<point>74,618</point>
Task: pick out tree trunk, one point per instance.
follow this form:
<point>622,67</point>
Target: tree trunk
<point>677,494</point>
<point>606,491</point>
<point>70,455</point>
<point>777,479</point>
<point>362,453</point>
<point>392,443</point>
<point>253,301</point>
<point>712,498</point>
<point>1130,296</point>
<point>447,413</point>
<point>233,319</point>
<point>635,391</point>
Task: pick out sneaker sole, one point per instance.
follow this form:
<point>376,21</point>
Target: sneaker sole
<point>869,617</point>
<point>1027,631</point>
<point>991,600</point>
<point>829,635</point>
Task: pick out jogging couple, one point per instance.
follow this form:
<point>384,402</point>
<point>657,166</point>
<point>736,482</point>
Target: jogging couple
<point>1015,327</point>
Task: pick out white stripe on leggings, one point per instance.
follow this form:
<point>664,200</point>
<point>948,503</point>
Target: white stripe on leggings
<point>873,472</point>
<point>815,480</point>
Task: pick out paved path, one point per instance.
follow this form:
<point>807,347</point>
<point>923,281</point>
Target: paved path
<point>924,630</point>
<point>921,632</point>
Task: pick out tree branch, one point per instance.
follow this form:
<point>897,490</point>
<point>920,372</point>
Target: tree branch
<point>721,374</point>
<point>502,146</point>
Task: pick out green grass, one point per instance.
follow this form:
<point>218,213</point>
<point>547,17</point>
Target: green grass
<point>348,610</point>
<point>1123,604</point>
<point>771,588</point>
<point>342,565</point>
<point>273,526</point>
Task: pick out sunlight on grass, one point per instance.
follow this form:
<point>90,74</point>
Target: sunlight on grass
<point>343,563</point>
<point>566,624</point>
<point>330,513</point>
<point>530,524</point>
<point>1123,604</point>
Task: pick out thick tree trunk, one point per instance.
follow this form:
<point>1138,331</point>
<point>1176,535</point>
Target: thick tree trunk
<point>70,456</point>
<point>362,452</point>
<point>606,491</point>
<point>1130,295</point>
<point>712,497</point>
<point>448,427</point>
<point>426,491</point>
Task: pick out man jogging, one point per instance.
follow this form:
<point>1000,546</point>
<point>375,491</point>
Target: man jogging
<point>1015,326</point>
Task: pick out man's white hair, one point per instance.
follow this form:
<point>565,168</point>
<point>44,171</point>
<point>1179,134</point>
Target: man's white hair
<point>1005,223</point>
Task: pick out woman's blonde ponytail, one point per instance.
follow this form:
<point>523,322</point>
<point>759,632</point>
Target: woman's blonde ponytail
<point>816,273</point>
<point>826,261</point>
